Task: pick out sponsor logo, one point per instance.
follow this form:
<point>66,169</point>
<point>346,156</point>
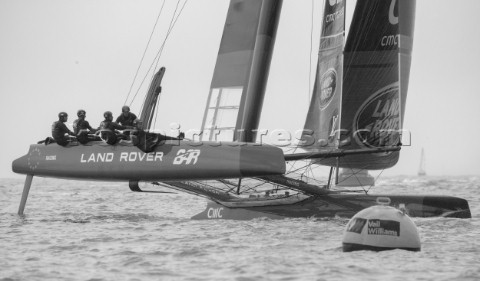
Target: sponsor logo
<point>356,225</point>
<point>336,15</point>
<point>392,39</point>
<point>97,157</point>
<point>187,157</point>
<point>123,157</point>
<point>215,213</point>
<point>377,122</point>
<point>328,86</point>
<point>391,15</point>
<point>51,157</point>
<point>383,227</point>
<point>141,157</point>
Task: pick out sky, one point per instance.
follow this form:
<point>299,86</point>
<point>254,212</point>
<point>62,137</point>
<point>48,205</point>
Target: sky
<point>65,55</point>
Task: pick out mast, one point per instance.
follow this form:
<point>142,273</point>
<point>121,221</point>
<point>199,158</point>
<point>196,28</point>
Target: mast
<point>252,100</point>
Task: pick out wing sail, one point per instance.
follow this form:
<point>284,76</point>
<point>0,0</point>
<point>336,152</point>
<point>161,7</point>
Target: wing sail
<point>377,61</point>
<point>241,71</point>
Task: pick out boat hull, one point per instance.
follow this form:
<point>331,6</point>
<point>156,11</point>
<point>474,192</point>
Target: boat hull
<point>172,160</point>
<point>341,205</point>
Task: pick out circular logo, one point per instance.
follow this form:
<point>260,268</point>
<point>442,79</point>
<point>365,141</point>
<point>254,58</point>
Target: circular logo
<point>34,158</point>
<point>328,86</point>
<point>377,122</point>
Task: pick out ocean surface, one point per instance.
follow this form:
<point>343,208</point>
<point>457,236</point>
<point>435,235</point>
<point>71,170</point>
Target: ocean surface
<point>102,231</point>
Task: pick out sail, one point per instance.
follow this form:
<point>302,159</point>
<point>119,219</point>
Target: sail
<point>377,61</point>
<point>241,71</point>
<point>323,118</point>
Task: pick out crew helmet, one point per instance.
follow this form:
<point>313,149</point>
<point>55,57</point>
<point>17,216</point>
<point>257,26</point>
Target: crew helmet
<point>81,112</point>
<point>107,114</point>
<point>62,114</point>
<point>125,108</point>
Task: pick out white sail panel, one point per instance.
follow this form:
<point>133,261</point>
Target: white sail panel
<point>222,114</point>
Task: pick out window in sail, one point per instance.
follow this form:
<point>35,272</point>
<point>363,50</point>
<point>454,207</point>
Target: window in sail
<point>222,114</point>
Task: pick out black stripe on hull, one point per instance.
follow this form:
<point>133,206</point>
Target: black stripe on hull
<point>350,247</point>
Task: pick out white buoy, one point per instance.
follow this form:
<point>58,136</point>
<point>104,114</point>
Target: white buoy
<point>380,228</point>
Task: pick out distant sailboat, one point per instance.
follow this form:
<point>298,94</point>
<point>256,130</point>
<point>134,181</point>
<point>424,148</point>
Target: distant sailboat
<point>421,170</point>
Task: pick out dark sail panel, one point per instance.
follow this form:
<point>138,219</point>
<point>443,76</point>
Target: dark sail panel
<point>241,71</point>
<point>377,66</point>
<point>323,119</point>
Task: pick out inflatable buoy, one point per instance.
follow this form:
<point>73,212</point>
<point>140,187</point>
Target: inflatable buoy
<point>380,228</point>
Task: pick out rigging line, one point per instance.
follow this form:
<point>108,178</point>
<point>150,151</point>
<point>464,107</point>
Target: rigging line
<point>354,174</point>
<point>170,28</point>
<point>255,186</point>
<point>158,53</point>
<point>155,58</point>
<point>144,52</point>
<point>378,176</point>
<point>296,171</point>
<point>299,170</point>
<point>311,176</point>
<point>303,167</point>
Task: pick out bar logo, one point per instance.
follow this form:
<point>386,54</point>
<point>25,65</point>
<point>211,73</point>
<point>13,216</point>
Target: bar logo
<point>383,227</point>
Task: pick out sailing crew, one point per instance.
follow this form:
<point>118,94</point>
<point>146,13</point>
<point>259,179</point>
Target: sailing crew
<point>60,133</point>
<point>108,129</point>
<point>126,118</point>
<point>82,128</point>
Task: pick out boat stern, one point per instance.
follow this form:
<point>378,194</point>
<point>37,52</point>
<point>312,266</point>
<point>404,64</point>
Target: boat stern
<point>28,163</point>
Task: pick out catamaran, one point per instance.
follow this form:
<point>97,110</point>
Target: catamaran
<point>354,121</point>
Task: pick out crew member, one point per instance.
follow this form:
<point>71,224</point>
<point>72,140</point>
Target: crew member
<point>126,118</point>
<point>60,133</point>
<point>108,129</point>
<point>82,128</point>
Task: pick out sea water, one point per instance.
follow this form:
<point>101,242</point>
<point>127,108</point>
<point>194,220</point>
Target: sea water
<point>102,231</point>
